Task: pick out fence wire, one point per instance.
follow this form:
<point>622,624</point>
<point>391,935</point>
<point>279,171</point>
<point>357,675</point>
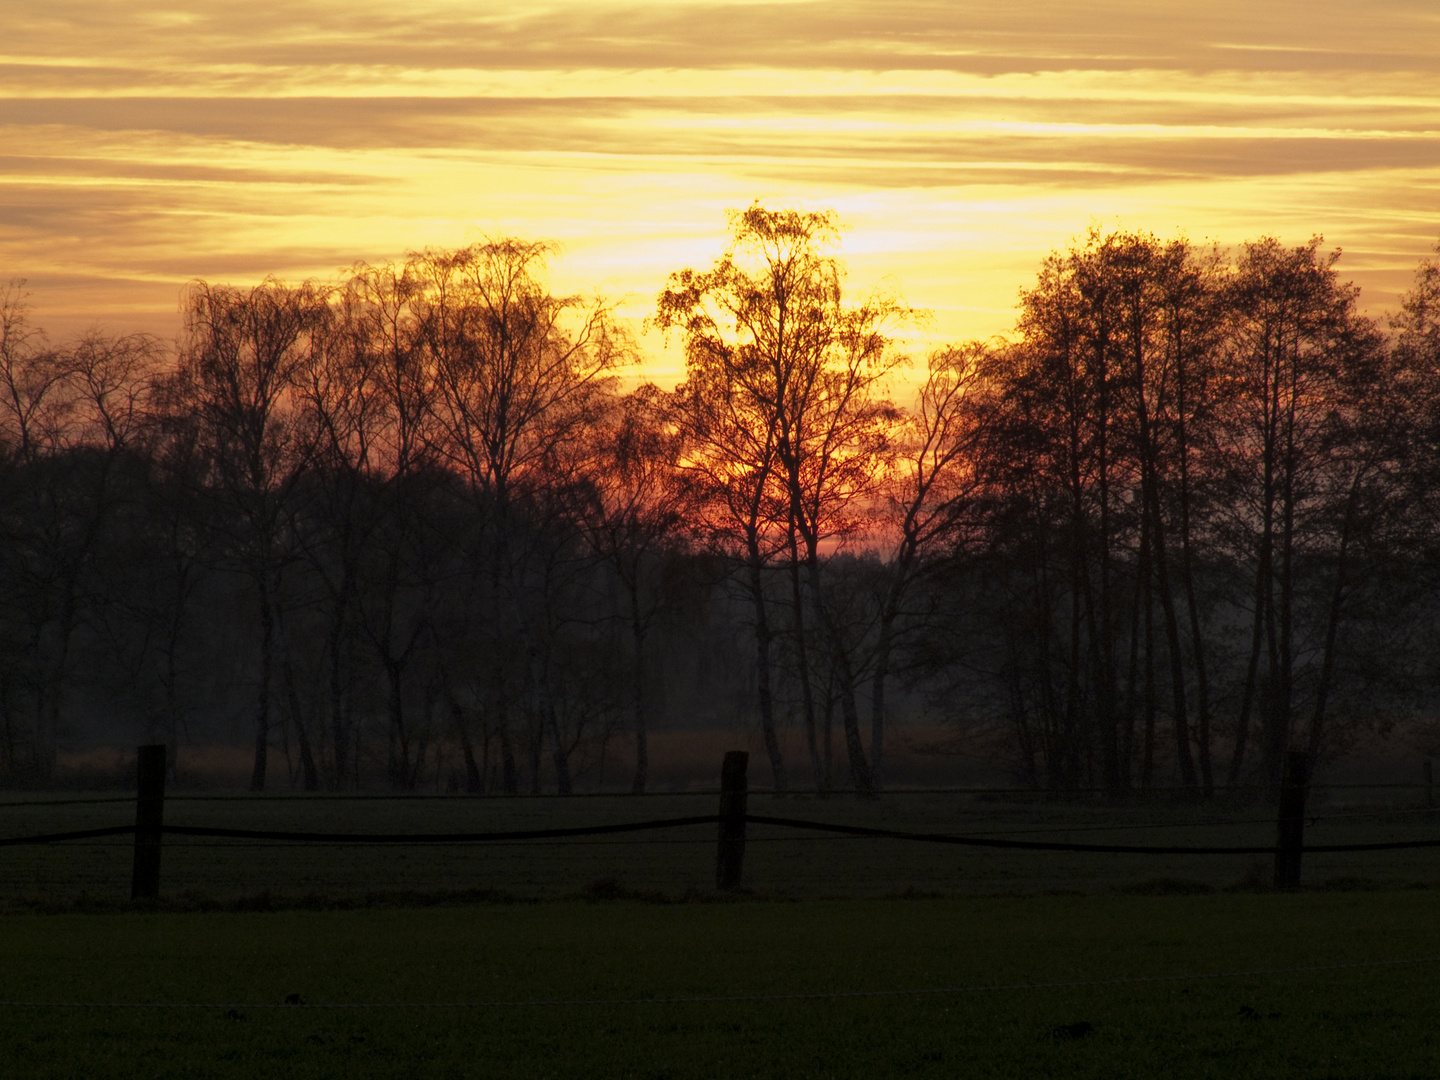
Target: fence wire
<point>991,841</point>
<point>526,851</point>
<point>521,836</point>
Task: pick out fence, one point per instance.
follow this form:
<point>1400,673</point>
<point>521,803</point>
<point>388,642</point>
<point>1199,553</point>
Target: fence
<point>732,818</point>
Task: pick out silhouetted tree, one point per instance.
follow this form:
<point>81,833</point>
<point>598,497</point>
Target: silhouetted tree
<point>800,373</point>
<point>521,376</point>
<point>1301,372</point>
<point>927,505</point>
<point>632,509</point>
<point>240,365</point>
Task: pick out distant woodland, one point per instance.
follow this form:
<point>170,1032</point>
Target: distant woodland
<point>410,524</point>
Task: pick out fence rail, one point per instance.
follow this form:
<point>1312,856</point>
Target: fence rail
<point>732,821</point>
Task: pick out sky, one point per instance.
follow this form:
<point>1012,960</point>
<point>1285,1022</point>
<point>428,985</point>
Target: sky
<point>147,144</point>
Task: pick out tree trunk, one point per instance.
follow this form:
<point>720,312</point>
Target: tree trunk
<point>1187,576</point>
<point>309,773</point>
<point>1252,674</point>
<point>1183,753</point>
<point>398,743</point>
<point>642,749</point>
<point>262,711</point>
<point>762,670</point>
<point>546,707</point>
<point>509,774</point>
<point>170,676</point>
<point>877,699</point>
<point>1126,752</point>
<point>1147,763</point>
<point>1332,623</point>
<point>474,778</point>
<point>339,736</point>
<point>802,664</point>
<point>860,774</point>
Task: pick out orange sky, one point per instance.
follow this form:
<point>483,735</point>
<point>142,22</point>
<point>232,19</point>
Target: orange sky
<point>144,144</point>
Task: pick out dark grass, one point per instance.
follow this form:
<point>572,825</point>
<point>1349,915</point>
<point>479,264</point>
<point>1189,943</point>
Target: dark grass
<point>629,961</point>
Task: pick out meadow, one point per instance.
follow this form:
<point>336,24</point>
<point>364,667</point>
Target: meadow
<point>1107,985</point>
<point>614,956</point>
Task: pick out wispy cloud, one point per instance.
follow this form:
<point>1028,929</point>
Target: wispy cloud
<point>149,143</point>
<point>937,34</point>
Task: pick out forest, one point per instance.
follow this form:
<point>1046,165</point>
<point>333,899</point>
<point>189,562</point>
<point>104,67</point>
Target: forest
<point>418,523</point>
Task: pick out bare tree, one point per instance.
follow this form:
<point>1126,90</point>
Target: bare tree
<point>521,375</point>
<point>243,355</point>
<point>34,405</point>
<point>1098,410</point>
<point>635,502</point>
<point>770,326</point>
<point>70,420</point>
<point>1301,362</point>
<point>729,462</point>
<point>926,503</point>
<point>370,392</point>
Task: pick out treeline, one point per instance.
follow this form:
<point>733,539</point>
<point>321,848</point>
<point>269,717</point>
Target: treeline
<point>410,524</point>
<point>1208,512</point>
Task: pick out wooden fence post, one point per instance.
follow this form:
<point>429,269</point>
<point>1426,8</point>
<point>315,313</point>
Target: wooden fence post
<point>730,854</point>
<point>1291,840</point>
<point>149,817</point>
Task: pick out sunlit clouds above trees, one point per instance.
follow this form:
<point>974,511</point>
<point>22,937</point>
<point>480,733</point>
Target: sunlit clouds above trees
<point>147,145</point>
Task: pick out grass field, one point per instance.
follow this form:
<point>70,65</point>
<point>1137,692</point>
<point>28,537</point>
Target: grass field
<point>624,972</point>
<point>843,958</point>
<point>679,863</point>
